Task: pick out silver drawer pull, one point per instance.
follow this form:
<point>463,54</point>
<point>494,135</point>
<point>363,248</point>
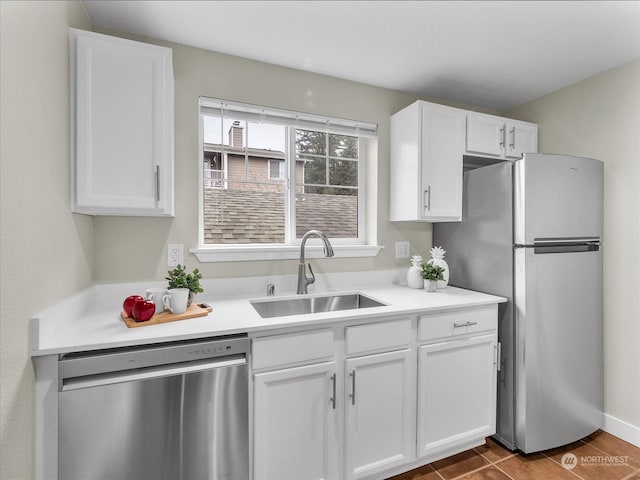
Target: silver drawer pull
<point>467,324</point>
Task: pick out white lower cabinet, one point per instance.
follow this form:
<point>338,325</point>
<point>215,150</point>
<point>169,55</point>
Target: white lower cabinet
<point>380,413</point>
<point>456,392</point>
<point>369,400</point>
<point>295,424</point>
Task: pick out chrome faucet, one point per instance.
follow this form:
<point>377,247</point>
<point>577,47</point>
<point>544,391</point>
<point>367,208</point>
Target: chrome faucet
<point>303,280</point>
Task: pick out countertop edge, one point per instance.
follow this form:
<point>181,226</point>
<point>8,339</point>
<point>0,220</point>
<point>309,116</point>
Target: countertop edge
<point>74,305</point>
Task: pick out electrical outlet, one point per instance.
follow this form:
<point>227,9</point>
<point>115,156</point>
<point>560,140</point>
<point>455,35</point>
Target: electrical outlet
<point>402,249</point>
<point>175,254</point>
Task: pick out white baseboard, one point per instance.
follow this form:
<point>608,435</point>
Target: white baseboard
<point>621,429</point>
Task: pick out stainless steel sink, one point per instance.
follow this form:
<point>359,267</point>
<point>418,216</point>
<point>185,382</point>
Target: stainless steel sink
<point>304,305</point>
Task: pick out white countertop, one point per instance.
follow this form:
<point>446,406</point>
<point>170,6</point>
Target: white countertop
<point>91,320</point>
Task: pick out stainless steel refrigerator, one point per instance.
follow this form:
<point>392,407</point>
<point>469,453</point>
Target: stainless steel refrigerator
<point>532,232</point>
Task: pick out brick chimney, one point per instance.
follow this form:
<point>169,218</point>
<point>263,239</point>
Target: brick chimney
<point>235,135</point>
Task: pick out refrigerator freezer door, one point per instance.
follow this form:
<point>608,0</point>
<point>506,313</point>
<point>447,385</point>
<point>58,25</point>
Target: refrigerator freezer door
<point>559,367</point>
<point>556,197</point>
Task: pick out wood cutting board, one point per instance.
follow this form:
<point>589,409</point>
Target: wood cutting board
<point>195,310</point>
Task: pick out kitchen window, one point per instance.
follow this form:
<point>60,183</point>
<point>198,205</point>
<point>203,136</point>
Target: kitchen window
<point>270,175</point>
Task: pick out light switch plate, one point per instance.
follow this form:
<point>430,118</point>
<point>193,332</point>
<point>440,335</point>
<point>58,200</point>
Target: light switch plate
<point>402,249</point>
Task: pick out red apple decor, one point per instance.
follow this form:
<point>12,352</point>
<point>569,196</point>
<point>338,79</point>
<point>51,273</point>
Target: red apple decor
<point>129,302</point>
<point>143,311</point>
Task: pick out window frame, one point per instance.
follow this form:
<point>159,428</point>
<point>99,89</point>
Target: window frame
<point>360,246</point>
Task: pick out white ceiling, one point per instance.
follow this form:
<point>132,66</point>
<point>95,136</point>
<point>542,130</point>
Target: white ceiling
<point>491,54</point>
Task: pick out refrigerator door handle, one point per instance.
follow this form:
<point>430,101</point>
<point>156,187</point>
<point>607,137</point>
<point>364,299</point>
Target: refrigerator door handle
<point>566,246</point>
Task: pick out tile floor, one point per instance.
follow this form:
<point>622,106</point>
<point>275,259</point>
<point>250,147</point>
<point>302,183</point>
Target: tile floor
<point>599,456</point>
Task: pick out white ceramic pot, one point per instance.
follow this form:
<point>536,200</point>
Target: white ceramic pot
<point>430,285</point>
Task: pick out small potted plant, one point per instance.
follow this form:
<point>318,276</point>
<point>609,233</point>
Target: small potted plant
<point>431,274</point>
<point>179,278</point>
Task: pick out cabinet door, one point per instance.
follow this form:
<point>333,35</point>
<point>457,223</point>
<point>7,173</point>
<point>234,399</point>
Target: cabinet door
<point>123,126</point>
<point>485,135</point>
<point>521,138</point>
<point>441,163</point>
<point>380,413</point>
<point>456,393</point>
<point>295,424</point>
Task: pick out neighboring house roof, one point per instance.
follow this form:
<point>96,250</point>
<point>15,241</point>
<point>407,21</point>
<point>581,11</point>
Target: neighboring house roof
<point>235,216</point>
<point>251,152</point>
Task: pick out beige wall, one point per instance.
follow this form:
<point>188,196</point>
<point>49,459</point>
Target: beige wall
<point>135,249</point>
<point>600,118</point>
<point>46,251</point>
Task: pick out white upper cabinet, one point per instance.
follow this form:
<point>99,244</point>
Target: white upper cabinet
<point>497,137</point>
<point>427,144</point>
<point>122,126</point>
<point>522,138</point>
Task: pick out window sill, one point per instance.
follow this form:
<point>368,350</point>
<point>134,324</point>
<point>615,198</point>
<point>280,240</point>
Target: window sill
<point>280,252</point>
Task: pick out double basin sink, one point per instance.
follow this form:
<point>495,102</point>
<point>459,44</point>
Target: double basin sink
<point>306,305</point>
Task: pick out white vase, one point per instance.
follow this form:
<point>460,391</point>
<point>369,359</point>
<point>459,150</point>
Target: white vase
<point>437,259</point>
<point>414,277</point>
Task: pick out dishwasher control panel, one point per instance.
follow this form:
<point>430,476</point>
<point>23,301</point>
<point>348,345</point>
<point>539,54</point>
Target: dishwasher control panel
<point>80,364</point>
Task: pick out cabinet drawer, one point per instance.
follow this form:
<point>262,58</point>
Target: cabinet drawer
<point>378,336</point>
<point>295,348</point>
<point>457,322</point>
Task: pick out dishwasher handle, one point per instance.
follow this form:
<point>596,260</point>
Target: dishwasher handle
<point>103,379</point>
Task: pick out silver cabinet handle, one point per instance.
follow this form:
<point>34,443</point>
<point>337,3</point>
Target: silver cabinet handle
<point>503,134</point>
<point>333,390</point>
<point>353,387</point>
<point>427,198</point>
<point>513,138</point>
<point>467,324</point>
<point>157,183</point>
<point>498,349</point>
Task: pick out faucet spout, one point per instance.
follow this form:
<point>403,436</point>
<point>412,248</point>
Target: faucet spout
<point>303,280</point>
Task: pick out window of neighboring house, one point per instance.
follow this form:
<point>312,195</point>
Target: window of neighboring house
<point>269,175</point>
<point>276,169</point>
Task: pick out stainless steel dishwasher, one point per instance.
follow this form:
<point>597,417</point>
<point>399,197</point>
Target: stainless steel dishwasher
<point>170,411</point>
